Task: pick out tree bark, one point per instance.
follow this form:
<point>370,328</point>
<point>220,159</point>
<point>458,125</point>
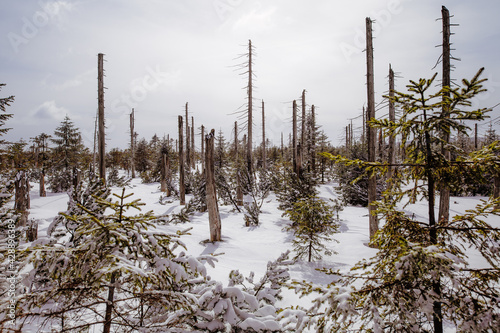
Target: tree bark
<point>182,189</point>
<point>392,117</point>
<point>22,197</point>
<point>132,144</point>
<point>313,139</point>
<point>213,208</point>
<point>250,106</point>
<point>263,138</point>
<point>192,144</point>
<point>294,136</point>
<point>371,131</point>
<point>444,189</point>
<point>239,190</point>
<point>109,305</point>
<point>102,141</point>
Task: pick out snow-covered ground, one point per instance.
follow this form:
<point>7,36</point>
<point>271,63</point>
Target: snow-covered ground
<point>250,248</point>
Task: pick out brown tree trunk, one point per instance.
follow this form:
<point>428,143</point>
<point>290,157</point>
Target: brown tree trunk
<point>43,192</point>
<point>22,197</point>
<point>294,136</point>
<point>182,189</point>
<point>163,180</point>
<point>303,124</point>
<point>444,189</point>
<point>371,131</point>
<point>187,157</point>
<point>132,144</point>
<point>202,156</point>
<point>239,191</point>
<point>263,138</point>
<point>213,208</point>
<point>313,139</point>
<point>250,106</point>
<point>102,141</point>
<point>192,144</point>
<point>32,231</point>
<point>391,159</point>
<point>109,305</point>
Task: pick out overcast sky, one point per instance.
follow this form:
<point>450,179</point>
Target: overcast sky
<point>161,54</point>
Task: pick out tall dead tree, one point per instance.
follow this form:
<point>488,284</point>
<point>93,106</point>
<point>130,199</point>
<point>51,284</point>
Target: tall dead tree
<point>213,208</point>
<point>371,131</point>
<point>239,190</point>
<point>263,138</point>
<point>249,108</point>
<point>294,136</point>
<point>303,124</point>
<point>444,189</point>
<point>188,142</point>
<point>182,189</point>
<point>202,154</point>
<point>391,157</point>
<point>192,143</point>
<point>100,97</point>
<point>132,143</point>
<point>313,139</point>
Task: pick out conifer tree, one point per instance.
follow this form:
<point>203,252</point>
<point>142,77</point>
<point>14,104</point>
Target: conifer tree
<point>420,278</point>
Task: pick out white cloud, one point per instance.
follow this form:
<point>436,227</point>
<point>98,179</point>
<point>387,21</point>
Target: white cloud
<point>49,110</point>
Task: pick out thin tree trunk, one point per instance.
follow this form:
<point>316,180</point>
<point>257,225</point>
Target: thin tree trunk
<point>294,136</point>
<point>192,143</point>
<point>102,141</point>
<point>444,189</point>
<point>202,148</point>
<point>313,139</point>
<point>163,181</point>
<point>303,124</point>
<point>132,144</point>
<point>182,189</point>
<point>188,143</point>
<point>250,97</point>
<point>392,117</point>
<point>371,131</point>
<point>239,190</point>
<point>213,208</point>
<point>109,305</point>
<point>263,138</point>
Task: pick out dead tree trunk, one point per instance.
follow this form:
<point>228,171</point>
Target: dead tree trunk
<point>163,180</point>
<point>391,158</point>
<point>202,156</point>
<point>100,94</point>
<point>32,230</point>
<point>182,189</point>
<point>250,107</point>
<point>188,142</point>
<point>213,208</point>
<point>294,136</point>
<point>263,138</point>
<point>303,129</point>
<point>22,197</point>
<point>313,139</point>
<point>371,131</point>
<point>239,190</point>
<point>43,192</point>
<point>444,189</point>
<point>192,143</point>
<point>132,144</point>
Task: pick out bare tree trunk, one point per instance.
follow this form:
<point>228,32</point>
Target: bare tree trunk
<point>132,143</point>
<point>202,148</point>
<point>371,131</point>
<point>303,124</point>
<point>391,159</point>
<point>239,191</point>
<point>475,136</point>
<point>192,143</point>
<point>444,189</point>
<point>109,305</point>
<point>32,230</point>
<point>294,136</point>
<point>22,197</point>
<point>163,180</point>
<point>250,106</point>
<point>263,138</point>
<point>313,139</point>
<point>102,141</point>
<point>213,208</point>
<point>188,143</point>
<point>182,189</point>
